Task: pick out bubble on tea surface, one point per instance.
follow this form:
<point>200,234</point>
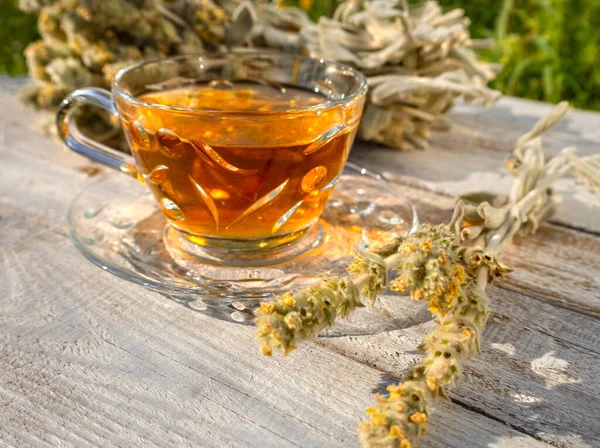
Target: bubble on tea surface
<point>222,84</point>
<point>169,143</point>
<point>171,209</point>
<point>158,175</point>
<point>313,178</point>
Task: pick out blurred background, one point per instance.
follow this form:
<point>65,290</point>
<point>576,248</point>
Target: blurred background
<point>549,48</point>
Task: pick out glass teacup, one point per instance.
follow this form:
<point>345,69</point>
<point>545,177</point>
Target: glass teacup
<point>241,151</point>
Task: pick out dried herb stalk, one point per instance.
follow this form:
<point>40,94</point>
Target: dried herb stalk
<point>449,266</point>
<point>417,61</point>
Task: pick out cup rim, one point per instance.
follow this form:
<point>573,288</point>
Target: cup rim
<point>360,90</point>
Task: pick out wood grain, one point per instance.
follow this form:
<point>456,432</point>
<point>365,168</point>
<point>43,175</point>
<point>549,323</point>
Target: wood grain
<point>91,360</point>
<point>538,371</point>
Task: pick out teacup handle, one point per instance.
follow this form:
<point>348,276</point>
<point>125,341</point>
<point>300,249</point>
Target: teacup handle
<point>76,141</point>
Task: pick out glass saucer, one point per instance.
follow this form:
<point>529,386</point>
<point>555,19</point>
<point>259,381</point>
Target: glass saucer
<point>116,224</point>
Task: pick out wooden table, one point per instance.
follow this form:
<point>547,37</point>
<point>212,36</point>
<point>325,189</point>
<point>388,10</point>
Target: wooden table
<point>87,359</point>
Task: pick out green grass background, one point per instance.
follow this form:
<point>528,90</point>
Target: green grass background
<point>550,49</point>
<point>16,31</point>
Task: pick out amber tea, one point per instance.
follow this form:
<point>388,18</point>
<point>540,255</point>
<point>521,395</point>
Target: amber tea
<point>253,170</point>
<point>241,150</point>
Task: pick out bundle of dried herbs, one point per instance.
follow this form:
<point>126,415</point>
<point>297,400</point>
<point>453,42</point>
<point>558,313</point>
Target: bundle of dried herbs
<point>417,61</point>
<point>449,267</point>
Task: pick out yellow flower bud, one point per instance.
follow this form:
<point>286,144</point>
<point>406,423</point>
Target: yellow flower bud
<point>399,285</point>
<point>265,308</point>
<point>442,258</point>
<point>398,389</point>
<point>277,336</point>
<point>426,245</point>
<point>395,392</point>
<point>459,273</point>
<point>432,384</point>
<point>288,300</point>
<point>419,418</point>
<point>417,294</point>
<point>377,418</point>
<point>266,350</point>
<point>371,411</point>
<point>289,321</point>
<point>434,308</point>
<point>395,432</point>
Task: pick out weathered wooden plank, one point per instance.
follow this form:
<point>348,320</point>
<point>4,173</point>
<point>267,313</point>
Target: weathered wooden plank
<point>511,117</point>
<point>40,195</point>
<point>538,370</point>
<point>21,131</point>
<point>554,252</point>
<point>90,360</point>
<point>10,85</point>
<point>557,263</point>
<point>471,156</point>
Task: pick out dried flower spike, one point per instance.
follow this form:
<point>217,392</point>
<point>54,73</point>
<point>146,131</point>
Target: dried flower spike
<point>430,268</point>
<point>417,62</point>
<point>449,266</point>
<point>300,316</point>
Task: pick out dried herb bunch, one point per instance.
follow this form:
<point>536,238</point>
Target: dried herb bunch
<point>86,42</point>
<point>449,267</point>
<point>417,61</point>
